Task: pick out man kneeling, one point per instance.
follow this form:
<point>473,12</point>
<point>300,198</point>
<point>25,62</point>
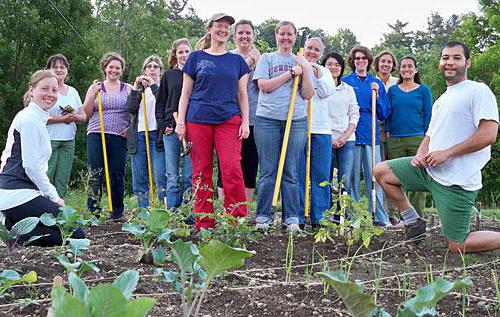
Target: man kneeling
<point>449,160</point>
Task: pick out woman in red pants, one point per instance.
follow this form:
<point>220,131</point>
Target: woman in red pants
<point>213,112</point>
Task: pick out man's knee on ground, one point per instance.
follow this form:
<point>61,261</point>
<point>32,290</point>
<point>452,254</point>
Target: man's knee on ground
<point>455,247</point>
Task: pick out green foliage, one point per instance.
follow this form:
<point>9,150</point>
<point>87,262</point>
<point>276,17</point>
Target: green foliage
<point>68,220</point>
<point>9,278</point>
<point>25,226</point>
<point>102,300</point>
<point>71,260</point>
<point>197,268</point>
<point>361,304</point>
<point>233,231</point>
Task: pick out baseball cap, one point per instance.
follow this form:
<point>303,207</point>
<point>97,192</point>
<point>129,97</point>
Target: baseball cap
<point>220,16</point>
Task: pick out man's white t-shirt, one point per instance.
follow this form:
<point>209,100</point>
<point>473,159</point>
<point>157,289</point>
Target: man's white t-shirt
<point>455,118</point>
<point>64,131</point>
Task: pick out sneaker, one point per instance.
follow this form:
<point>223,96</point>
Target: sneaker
<point>293,228</point>
<point>262,226</point>
<point>416,231</point>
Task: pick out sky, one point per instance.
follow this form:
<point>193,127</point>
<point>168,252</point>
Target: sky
<point>367,19</point>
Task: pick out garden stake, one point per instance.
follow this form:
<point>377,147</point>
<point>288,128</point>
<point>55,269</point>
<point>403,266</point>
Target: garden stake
<point>148,150</point>
<point>308,159</point>
<point>288,127</point>
<point>104,152</point>
<point>374,141</point>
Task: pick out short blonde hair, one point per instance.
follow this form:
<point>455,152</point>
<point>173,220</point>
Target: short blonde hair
<point>152,58</point>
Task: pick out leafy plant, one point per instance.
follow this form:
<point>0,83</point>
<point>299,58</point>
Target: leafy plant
<point>233,231</point>
<point>197,269</point>
<point>289,258</point>
<point>357,227</point>
<point>9,278</point>
<point>25,226</point>
<point>103,300</point>
<point>151,228</point>
<point>72,263</point>
<point>68,220</point>
<point>361,304</point>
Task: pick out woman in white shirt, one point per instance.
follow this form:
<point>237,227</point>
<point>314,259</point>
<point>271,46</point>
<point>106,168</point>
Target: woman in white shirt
<point>61,125</point>
<point>25,189</point>
<point>344,116</point>
<point>148,83</point>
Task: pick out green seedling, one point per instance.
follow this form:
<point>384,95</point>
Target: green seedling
<point>197,268</point>
<point>71,260</point>
<point>151,228</point>
<point>363,305</point>
<point>289,258</point>
<point>9,278</point>
<point>68,220</point>
<point>494,276</point>
<point>233,231</point>
<point>25,226</point>
<point>103,300</point>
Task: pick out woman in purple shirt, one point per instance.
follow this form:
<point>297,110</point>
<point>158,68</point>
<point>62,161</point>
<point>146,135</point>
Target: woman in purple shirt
<point>116,119</point>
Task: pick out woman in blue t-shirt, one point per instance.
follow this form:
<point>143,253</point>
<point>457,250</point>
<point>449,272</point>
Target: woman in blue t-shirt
<point>213,112</point>
<point>274,75</point>
<point>405,129</point>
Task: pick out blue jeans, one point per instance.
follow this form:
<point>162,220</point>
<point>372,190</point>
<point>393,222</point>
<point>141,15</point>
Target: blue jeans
<point>172,157</point>
<point>321,158</point>
<point>343,160</point>
<point>140,173</point>
<point>116,148</point>
<point>269,139</point>
<point>363,159</point>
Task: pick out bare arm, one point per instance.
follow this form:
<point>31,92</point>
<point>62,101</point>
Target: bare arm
<point>419,158</point>
<point>484,136</point>
<point>187,89</point>
<point>270,85</point>
<point>90,97</point>
<point>244,130</point>
<point>307,89</point>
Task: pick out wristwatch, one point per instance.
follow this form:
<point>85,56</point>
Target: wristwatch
<point>292,72</point>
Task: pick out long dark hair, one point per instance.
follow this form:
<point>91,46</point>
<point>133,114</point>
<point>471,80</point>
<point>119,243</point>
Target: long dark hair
<point>339,59</point>
<point>416,78</point>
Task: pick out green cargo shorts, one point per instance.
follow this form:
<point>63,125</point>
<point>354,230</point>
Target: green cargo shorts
<point>454,204</point>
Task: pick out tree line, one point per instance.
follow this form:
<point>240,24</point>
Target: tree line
<point>83,30</point>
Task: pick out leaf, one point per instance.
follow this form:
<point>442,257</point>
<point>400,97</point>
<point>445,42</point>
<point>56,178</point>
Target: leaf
<point>4,233</point>
<point>24,226</point>
<point>360,304</point>
<point>423,304</point>
<point>135,229</point>
<point>29,277</point>
<point>165,236</point>
<point>184,254</point>
<point>80,290</point>
<point>68,265</point>
<point>126,283</point>
<point>324,184</point>
<point>218,257</point>
<point>10,275</point>
<point>62,303</point>
<point>33,238</point>
<point>48,219</point>
<point>159,256</point>
<point>106,300</point>
<point>140,307</point>
<point>78,245</point>
<point>87,266</point>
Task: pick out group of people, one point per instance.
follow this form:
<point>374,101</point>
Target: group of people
<point>237,103</point>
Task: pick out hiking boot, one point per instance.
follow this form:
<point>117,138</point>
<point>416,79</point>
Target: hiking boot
<point>262,226</point>
<point>415,232</point>
<point>293,228</point>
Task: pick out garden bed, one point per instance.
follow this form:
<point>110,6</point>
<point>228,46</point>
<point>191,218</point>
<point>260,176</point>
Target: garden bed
<point>259,288</point>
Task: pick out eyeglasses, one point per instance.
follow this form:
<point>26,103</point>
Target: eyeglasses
<point>152,66</point>
<point>221,26</point>
<point>359,58</point>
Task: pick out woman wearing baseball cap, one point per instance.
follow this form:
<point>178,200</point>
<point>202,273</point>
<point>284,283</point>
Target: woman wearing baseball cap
<point>213,112</point>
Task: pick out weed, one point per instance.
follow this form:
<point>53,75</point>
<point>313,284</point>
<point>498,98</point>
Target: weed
<point>9,278</point>
<point>289,258</point>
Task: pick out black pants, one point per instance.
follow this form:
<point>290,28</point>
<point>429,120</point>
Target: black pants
<point>249,162</point>
<point>35,208</point>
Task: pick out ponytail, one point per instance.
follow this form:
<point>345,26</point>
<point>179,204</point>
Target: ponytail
<point>37,76</point>
<point>204,42</point>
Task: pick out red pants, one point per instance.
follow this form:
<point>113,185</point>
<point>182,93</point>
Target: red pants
<point>224,137</point>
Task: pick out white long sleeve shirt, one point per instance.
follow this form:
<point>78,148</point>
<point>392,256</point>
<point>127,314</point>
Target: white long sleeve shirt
<point>324,87</point>
<point>24,161</point>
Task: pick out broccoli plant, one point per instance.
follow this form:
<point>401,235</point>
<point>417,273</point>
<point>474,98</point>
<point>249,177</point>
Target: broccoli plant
<point>198,268</point>
<point>9,278</point>
<point>71,257</point>
<point>67,220</point>
<point>103,300</point>
<point>151,228</point>
<point>25,226</point>
<point>361,304</point>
